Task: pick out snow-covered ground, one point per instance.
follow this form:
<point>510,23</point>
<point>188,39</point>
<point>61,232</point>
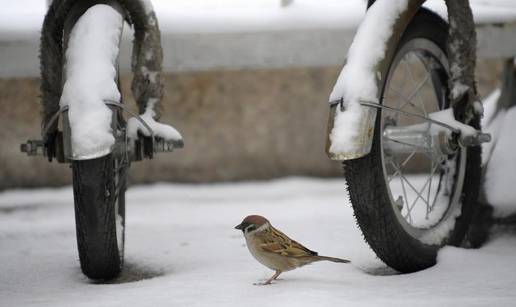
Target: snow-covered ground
<point>182,250</point>
<point>201,16</point>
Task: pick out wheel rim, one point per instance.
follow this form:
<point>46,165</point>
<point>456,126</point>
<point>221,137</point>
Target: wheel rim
<point>120,164</point>
<point>426,204</point>
<point>119,218</point>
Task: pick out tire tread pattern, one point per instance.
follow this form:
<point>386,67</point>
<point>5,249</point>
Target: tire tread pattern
<point>94,198</point>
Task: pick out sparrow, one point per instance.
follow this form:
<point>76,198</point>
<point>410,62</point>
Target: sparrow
<point>276,250</point>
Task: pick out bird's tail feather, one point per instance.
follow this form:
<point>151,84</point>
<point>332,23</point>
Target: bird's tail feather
<point>332,259</point>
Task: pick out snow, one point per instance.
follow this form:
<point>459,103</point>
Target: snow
<point>499,155</point>
<point>256,16</point>
<point>439,218</point>
<point>160,130</point>
<point>182,250</point>
<point>489,124</point>
<point>458,89</point>
<point>446,116</point>
<point>237,34</point>
<point>91,59</point>
<point>418,213</point>
<point>484,11</point>
<point>357,80</point>
<point>24,17</point>
<point>367,49</point>
<point>147,5</point>
<point>204,16</point>
<point>437,234</point>
<point>90,81</point>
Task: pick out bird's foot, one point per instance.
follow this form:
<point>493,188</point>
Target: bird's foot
<point>269,281</point>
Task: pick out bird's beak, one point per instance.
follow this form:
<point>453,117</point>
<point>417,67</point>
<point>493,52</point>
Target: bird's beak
<point>239,226</point>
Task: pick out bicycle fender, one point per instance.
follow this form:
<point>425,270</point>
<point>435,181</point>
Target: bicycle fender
<point>362,137</point>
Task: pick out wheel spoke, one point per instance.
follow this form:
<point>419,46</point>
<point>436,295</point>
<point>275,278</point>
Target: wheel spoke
<point>428,207</point>
<point>418,92</point>
<point>419,193</point>
<point>408,100</point>
<point>398,169</point>
<point>403,163</point>
<point>403,95</point>
<point>428,182</point>
<point>418,87</point>
<point>405,75</point>
<point>429,152</point>
<point>437,192</point>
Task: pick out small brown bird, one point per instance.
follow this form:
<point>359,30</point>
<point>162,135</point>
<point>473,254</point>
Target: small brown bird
<point>274,249</point>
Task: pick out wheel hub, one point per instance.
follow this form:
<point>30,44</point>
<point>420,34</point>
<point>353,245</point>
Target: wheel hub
<point>417,138</point>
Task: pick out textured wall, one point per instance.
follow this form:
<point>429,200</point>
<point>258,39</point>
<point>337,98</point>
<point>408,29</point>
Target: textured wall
<point>236,124</point>
<point>250,124</point>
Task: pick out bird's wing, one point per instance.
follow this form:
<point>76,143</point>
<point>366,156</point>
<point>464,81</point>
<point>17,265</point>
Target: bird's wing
<point>274,241</point>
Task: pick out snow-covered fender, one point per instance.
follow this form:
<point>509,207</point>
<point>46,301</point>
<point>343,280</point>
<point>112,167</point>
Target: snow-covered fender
<point>146,57</point>
<point>359,120</point>
<point>350,125</point>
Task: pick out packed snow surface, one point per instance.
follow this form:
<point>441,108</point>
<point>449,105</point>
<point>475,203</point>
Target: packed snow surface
<point>182,250</point>
<point>91,60</point>
<point>181,22</point>
<point>357,80</point>
<point>24,17</point>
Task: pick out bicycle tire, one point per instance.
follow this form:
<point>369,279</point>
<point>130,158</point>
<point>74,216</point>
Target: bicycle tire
<point>368,187</point>
<point>99,186</point>
<point>96,201</point>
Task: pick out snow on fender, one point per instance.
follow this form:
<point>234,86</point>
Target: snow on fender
<point>351,125</point>
<point>90,79</point>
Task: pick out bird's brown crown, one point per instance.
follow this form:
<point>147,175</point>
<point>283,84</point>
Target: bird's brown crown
<point>257,220</point>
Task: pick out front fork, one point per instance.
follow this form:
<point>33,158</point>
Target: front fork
<point>58,146</point>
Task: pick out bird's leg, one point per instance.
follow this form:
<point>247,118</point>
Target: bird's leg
<point>276,275</point>
<point>269,281</point>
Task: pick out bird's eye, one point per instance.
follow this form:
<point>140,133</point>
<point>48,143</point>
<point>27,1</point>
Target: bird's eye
<point>250,228</point>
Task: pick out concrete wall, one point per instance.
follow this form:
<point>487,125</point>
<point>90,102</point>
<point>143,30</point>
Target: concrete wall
<point>251,124</point>
<point>237,125</point>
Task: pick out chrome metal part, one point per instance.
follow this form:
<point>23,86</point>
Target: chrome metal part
<point>426,118</point>
<point>144,147</point>
<point>409,139</point>
<point>475,140</point>
<point>33,148</point>
<point>162,145</point>
<point>464,141</point>
<point>51,122</point>
<point>67,134</point>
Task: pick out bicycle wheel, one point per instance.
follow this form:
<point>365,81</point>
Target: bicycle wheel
<point>410,198</point>
<point>99,184</point>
